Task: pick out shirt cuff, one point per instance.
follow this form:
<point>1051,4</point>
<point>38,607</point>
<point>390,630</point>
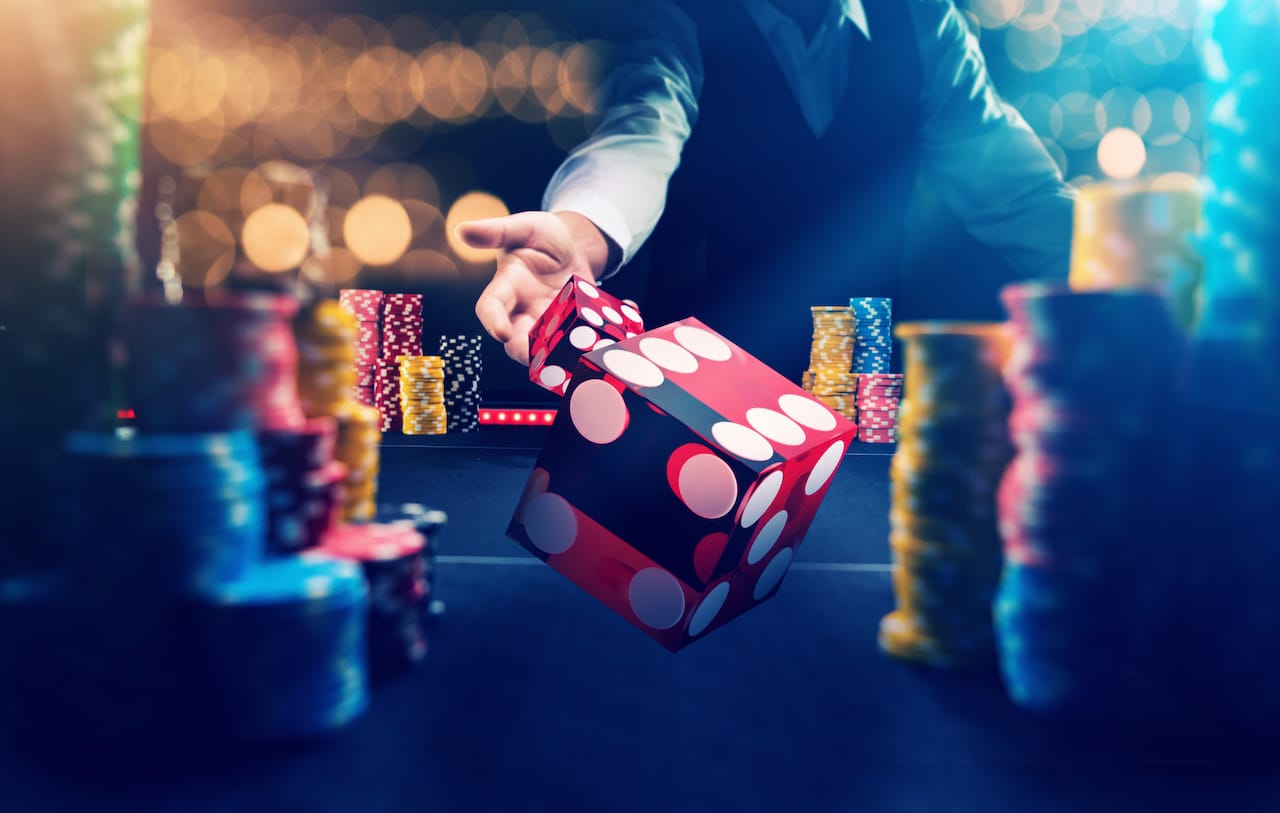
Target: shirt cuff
<point>606,217</point>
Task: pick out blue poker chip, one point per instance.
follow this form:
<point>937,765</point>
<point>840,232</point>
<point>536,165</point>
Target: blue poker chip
<point>130,444</point>
<point>161,515</point>
<point>283,650</point>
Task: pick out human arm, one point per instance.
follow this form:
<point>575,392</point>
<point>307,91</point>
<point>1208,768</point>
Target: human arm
<point>606,197</point>
<point>995,173</point>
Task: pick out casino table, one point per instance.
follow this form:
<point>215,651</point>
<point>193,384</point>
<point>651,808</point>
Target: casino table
<point>536,698</point>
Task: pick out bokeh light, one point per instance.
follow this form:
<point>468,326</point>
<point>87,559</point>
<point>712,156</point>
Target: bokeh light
<point>226,90</point>
<point>275,238</point>
<point>322,141</point>
<point>1104,64</point>
<point>1121,153</point>
<point>206,248</point>
<point>333,267</point>
<point>377,230</point>
<point>428,265</point>
<point>1035,48</point>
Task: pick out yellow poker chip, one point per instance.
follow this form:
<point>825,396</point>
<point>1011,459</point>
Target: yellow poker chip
<point>901,637</point>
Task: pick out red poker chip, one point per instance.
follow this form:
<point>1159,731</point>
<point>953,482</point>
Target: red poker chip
<point>373,542</point>
<point>880,401</point>
<point>876,433</point>
<point>871,429</point>
<point>878,392</point>
<point>872,414</point>
<point>880,378</point>
<point>879,396</point>
<point>878,405</point>
<point>335,471</point>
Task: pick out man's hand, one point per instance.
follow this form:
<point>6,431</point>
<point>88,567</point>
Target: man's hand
<point>537,254</point>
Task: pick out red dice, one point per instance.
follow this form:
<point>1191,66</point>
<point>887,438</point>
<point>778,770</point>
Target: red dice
<point>678,480</point>
<point>583,317</point>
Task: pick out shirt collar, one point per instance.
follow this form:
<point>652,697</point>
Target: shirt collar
<point>851,11</point>
<point>854,12</point>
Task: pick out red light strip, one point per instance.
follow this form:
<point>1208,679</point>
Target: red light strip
<point>517,417</point>
<point>125,414</point>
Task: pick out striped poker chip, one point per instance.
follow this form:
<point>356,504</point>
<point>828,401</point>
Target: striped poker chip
<point>283,652</point>
<point>877,435</point>
<point>882,415</point>
<point>365,305</point>
<point>886,406</point>
<point>881,379</point>
<point>880,393</point>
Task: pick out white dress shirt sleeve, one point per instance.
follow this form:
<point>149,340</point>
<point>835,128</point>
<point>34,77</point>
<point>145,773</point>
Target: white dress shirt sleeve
<point>995,173</point>
<point>618,178</point>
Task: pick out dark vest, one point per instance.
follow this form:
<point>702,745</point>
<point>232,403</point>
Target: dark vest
<point>763,218</point>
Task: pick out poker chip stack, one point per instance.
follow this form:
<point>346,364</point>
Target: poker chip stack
<point>401,336</point>
<point>305,484</point>
<point>830,358</point>
<point>149,519</point>
<point>282,652</point>
<point>366,307</point>
<point>1092,376</point>
<point>878,400</point>
<point>67,218</point>
<point>386,396</point>
<point>873,347</point>
<point>359,435</point>
<point>327,345</point>
<point>1230,432</point>
<point>392,557</point>
<point>326,335</point>
<point>1139,233</point>
<point>422,395</point>
<point>430,523</point>
<point>214,362</point>
<point>952,449</point>
<point>173,512</point>
<point>463,366</point>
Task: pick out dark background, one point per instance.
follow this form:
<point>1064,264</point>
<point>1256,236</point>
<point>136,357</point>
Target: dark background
<point>945,275</point>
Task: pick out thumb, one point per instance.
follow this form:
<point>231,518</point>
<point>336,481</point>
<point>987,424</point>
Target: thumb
<point>510,232</point>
